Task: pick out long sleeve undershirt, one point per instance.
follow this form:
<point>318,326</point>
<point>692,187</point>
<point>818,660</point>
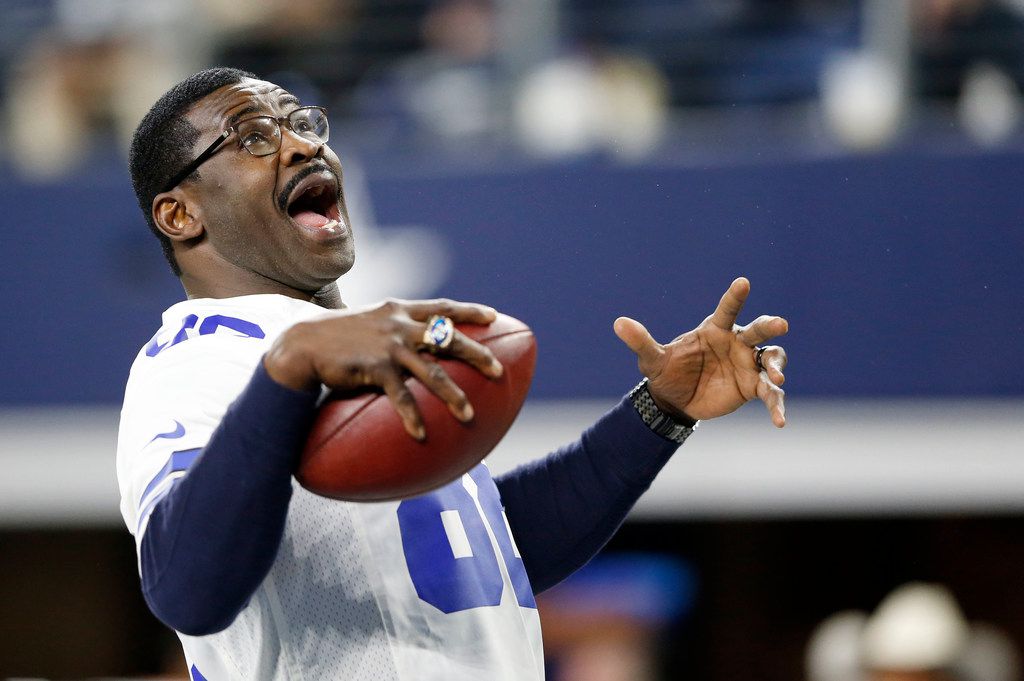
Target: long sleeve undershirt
<point>564,507</point>
<point>233,503</point>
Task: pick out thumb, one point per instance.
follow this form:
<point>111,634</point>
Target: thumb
<point>639,340</point>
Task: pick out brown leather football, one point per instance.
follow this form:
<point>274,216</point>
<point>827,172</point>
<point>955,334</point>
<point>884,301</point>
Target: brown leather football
<point>358,449</point>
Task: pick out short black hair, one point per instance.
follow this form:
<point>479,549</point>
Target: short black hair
<point>162,144</point>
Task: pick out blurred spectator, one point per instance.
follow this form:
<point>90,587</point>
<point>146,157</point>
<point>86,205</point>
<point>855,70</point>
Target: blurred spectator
<point>972,51</point>
<point>606,622</point>
<point>93,74</point>
<point>917,633</point>
<point>598,100</point>
<point>864,99</point>
<point>307,47</point>
<point>727,51</point>
<point>23,19</point>
<point>453,89</point>
<point>952,36</point>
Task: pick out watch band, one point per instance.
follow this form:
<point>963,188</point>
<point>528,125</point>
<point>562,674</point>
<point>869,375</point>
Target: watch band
<point>657,420</point>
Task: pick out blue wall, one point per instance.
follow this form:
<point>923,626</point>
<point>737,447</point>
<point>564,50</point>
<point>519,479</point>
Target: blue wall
<point>899,275</point>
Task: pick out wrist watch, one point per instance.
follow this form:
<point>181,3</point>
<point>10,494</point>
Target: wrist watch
<point>657,420</point>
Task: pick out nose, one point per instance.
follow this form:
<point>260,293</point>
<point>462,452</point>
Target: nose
<point>297,149</point>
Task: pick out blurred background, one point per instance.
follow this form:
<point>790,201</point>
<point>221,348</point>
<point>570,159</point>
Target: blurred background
<point>569,161</point>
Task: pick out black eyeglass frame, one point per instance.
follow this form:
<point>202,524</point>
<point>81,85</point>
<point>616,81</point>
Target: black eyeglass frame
<point>223,137</point>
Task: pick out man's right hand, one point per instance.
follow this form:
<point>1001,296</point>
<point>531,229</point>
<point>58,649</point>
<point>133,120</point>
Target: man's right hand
<point>377,346</point>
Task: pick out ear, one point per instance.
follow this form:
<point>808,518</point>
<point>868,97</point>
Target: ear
<point>175,217</point>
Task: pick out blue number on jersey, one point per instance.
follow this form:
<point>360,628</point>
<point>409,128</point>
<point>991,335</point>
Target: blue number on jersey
<point>493,511</point>
<point>453,584</point>
<point>210,325</point>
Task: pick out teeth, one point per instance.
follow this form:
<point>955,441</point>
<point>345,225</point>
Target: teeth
<point>314,192</point>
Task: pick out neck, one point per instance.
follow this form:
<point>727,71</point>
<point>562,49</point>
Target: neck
<point>328,297</point>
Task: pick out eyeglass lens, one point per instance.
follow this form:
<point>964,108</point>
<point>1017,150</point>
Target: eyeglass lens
<point>261,135</point>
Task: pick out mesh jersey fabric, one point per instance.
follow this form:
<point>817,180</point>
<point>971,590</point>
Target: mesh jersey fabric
<point>428,588</point>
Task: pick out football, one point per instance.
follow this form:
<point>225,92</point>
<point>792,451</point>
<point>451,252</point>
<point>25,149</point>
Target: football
<point>358,449</point>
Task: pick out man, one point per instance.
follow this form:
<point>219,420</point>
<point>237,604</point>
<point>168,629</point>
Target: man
<point>264,580</point>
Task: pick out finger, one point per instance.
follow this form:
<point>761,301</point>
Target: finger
<point>762,329</point>
<point>476,355</point>
<point>461,347</point>
<point>731,303</point>
<point>774,399</point>
<point>774,360</point>
<point>635,335</point>
<point>437,381</point>
<point>460,313</point>
<point>404,403</point>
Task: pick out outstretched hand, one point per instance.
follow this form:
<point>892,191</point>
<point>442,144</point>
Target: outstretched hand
<point>712,370</point>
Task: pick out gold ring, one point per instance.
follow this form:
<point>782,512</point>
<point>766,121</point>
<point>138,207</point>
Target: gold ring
<point>439,333</point>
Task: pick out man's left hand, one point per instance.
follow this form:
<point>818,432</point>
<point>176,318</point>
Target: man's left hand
<point>712,370</point>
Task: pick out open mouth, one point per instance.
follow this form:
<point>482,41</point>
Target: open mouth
<point>314,203</point>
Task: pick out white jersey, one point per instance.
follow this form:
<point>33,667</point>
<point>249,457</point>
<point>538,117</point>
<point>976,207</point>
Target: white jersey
<point>427,588</point>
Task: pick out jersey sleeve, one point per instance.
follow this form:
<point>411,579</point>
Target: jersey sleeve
<point>173,403</point>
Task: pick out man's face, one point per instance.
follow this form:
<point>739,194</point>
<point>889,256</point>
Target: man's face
<point>281,217</point>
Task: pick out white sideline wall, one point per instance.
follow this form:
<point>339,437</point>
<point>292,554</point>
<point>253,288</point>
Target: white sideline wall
<point>835,457</point>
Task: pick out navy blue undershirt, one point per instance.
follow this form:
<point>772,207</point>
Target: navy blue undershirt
<point>212,539</point>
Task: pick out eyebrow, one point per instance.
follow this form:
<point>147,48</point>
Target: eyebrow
<point>235,117</point>
<point>253,108</point>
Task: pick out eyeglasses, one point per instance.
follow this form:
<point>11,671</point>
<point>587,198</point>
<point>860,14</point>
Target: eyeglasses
<point>261,136</point>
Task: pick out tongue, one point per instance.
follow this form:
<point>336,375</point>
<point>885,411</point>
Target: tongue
<point>310,219</point>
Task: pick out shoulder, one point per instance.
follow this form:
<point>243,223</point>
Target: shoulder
<point>206,350</point>
<point>257,317</point>
<point>193,329</point>
<point>183,380</point>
